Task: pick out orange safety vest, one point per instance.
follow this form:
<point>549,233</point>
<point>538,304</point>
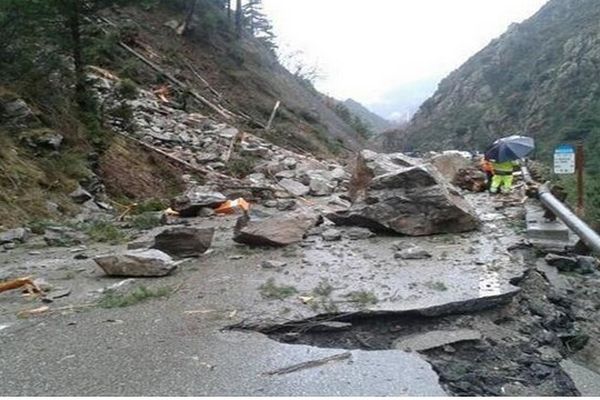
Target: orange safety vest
<point>486,165</point>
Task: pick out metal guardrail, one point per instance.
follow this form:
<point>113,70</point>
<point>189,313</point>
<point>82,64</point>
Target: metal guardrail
<point>581,229</point>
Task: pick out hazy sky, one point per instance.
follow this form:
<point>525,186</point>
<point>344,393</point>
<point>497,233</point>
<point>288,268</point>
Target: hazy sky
<point>367,48</point>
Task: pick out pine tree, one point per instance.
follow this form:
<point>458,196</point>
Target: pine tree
<point>258,23</point>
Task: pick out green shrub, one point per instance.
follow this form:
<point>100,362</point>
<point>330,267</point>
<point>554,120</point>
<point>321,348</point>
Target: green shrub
<point>111,299</point>
<point>127,89</point>
<point>146,221</point>
<point>104,232</point>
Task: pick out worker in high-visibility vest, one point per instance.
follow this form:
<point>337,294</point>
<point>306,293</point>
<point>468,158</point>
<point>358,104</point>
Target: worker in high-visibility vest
<point>486,166</point>
<point>503,176</point>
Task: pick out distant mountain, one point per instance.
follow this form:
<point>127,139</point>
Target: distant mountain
<point>402,102</point>
<point>541,78</point>
<point>376,122</point>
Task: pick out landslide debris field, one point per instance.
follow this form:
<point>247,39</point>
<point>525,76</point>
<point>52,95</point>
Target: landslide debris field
<point>382,275</point>
<point>471,308</point>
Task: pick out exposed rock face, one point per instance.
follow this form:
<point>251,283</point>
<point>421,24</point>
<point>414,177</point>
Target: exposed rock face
<point>16,113</point>
<point>184,242</point>
<point>275,231</point>
<point>412,201</point>
<point>138,263</point>
<point>189,204</point>
<point>516,84</point>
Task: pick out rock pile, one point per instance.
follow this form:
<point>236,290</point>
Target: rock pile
<point>413,201</point>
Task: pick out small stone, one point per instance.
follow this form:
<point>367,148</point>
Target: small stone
<point>359,233</point>
<point>269,264</point>
<point>562,263</point>
<point>587,265</point>
<point>81,196</point>
<point>413,253</point>
<point>331,235</point>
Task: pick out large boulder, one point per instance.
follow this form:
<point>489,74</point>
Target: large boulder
<point>369,164</point>
<point>184,242</point>
<point>194,199</point>
<point>137,263</point>
<point>280,230</point>
<point>414,201</point>
<point>450,163</point>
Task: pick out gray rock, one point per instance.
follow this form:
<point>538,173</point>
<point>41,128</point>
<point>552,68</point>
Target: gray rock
<point>184,242</point>
<point>197,197</point>
<point>320,186</point>
<point>435,339</point>
<point>413,201</point>
<point>332,235</point>
<point>294,187</point>
<point>287,205</point>
<point>285,175</point>
<point>585,265</point>
<point>16,112</point>
<point>63,237</point>
<point>42,138</point>
<point>14,235</point>
<point>137,263</point>
<point>280,230</point>
<point>562,263</point>
<point>375,164</point>
<point>413,253</point>
<point>359,233</point>
<point>289,163</point>
<point>81,196</point>
<point>270,264</point>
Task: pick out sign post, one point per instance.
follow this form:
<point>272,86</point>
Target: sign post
<point>564,160</point>
<point>568,160</point>
<point>580,162</point>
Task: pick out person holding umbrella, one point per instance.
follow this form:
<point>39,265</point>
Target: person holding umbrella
<point>503,154</point>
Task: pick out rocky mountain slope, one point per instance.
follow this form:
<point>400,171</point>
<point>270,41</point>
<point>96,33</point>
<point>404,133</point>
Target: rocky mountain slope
<point>539,78</point>
<point>50,145</point>
<point>378,124</point>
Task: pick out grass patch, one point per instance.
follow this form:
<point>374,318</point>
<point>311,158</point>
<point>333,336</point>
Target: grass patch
<point>146,221</point>
<point>323,289</point>
<point>150,205</point>
<point>362,297</point>
<point>111,299</point>
<point>104,232</point>
<point>269,290</point>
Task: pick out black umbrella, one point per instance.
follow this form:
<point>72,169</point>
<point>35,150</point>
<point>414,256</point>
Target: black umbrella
<point>510,148</point>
